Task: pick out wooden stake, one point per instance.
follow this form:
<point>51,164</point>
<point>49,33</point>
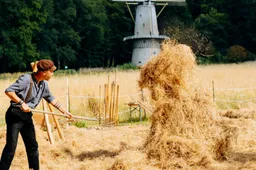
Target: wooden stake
<point>108,97</point>
<point>106,103</point>
<point>111,106</point>
<point>99,105</point>
<point>67,101</point>
<point>143,99</point>
<point>56,122</point>
<point>48,127</point>
<point>43,106</point>
<point>114,101</point>
<point>213,92</point>
<point>116,110</point>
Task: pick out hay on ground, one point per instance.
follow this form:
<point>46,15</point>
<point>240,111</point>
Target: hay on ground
<point>183,112</point>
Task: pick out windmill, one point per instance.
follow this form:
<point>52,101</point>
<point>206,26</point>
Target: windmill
<point>146,38</point>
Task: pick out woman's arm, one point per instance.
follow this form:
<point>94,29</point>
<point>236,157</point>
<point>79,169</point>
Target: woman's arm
<point>16,99</point>
<point>58,106</point>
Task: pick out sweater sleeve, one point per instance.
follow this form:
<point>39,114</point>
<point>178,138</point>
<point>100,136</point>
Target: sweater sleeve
<point>20,84</point>
<point>47,95</point>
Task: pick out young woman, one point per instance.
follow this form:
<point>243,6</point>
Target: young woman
<point>25,94</point>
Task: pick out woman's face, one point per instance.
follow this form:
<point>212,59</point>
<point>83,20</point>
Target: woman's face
<point>48,74</point>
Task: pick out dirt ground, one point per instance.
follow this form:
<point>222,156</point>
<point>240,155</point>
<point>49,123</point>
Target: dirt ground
<point>122,147</point>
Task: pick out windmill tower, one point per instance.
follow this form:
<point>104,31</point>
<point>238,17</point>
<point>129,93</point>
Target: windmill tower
<point>146,38</point>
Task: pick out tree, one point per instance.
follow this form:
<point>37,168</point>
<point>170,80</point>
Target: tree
<point>59,40</point>
<point>18,28</point>
<point>215,26</point>
<point>242,16</point>
<point>187,34</point>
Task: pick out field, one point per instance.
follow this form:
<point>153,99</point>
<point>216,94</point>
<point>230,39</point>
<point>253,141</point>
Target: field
<point>231,87</point>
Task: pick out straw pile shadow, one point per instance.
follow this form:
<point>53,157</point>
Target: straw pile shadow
<point>184,131</point>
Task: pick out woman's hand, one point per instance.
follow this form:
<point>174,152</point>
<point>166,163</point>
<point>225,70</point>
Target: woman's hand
<point>25,108</point>
<point>69,114</point>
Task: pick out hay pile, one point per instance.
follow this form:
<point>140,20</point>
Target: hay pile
<point>184,132</point>
<point>86,149</point>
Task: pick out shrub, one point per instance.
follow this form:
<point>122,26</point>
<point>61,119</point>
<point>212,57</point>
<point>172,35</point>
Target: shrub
<point>65,72</point>
<point>236,53</point>
<point>127,66</point>
<point>80,124</point>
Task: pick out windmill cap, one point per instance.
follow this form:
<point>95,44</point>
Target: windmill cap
<point>44,65</point>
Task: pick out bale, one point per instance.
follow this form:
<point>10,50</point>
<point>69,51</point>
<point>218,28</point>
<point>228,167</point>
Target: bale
<point>184,128</point>
<point>166,75</point>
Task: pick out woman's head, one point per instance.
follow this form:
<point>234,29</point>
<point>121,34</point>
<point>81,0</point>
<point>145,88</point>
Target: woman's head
<point>45,68</point>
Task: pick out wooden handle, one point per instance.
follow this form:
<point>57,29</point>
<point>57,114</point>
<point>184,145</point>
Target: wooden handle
<point>63,115</point>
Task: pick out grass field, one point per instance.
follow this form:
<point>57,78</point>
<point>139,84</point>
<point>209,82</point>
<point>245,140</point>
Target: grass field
<point>122,147</point>
<point>234,87</point>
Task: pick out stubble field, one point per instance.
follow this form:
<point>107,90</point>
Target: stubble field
<point>232,87</point>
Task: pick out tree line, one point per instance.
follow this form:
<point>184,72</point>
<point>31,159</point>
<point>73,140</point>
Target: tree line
<point>89,33</point>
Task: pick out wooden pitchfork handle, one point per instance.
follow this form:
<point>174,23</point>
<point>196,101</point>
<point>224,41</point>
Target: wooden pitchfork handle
<point>63,115</point>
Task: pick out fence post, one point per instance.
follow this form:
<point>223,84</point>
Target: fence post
<point>99,105</point>
<point>213,93</point>
<point>67,101</point>
<point>143,99</point>
<point>67,97</point>
<point>116,110</point>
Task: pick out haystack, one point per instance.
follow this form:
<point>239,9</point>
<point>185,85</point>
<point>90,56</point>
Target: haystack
<point>183,132</point>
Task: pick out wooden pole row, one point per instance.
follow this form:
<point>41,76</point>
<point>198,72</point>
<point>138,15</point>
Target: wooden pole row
<point>111,93</point>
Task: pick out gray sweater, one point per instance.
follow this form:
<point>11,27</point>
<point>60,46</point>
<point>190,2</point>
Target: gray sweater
<point>39,90</point>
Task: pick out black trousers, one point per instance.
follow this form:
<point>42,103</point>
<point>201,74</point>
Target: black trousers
<point>16,125</point>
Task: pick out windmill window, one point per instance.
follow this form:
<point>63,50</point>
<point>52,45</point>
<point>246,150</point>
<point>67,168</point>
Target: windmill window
<point>139,61</point>
<point>140,15</point>
<point>137,33</point>
<point>143,24</point>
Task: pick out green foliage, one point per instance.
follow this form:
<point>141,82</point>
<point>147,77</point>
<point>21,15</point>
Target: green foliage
<point>236,53</point>
<point>20,20</point>
<point>218,58</point>
<point>59,40</point>
<point>65,72</point>
<point>89,33</point>
<point>80,124</point>
<point>215,58</point>
<point>127,66</point>
<point>251,56</point>
<point>226,22</point>
<point>212,24</point>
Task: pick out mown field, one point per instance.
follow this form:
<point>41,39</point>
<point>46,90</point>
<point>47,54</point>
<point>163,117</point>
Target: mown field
<point>232,87</point>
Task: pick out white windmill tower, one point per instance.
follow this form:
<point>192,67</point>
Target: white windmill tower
<point>146,38</point>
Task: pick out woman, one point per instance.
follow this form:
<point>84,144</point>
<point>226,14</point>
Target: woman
<point>25,94</point>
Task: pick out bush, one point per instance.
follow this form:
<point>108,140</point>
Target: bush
<point>237,53</point>
<point>65,72</point>
<point>127,66</point>
<point>80,124</point>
